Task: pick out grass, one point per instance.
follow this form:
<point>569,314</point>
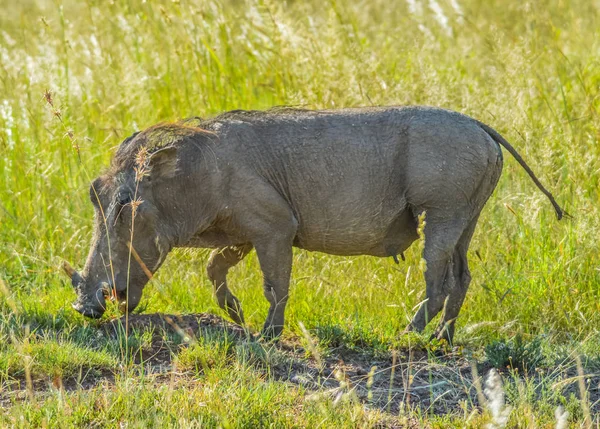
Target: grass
<point>529,69</point>
<point>59,359</point>
<point>215,403</point>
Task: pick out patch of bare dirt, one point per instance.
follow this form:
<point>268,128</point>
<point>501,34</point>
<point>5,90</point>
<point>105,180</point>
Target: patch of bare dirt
<point>404,379</point>
<point>185,328</point>
<point>187,324</point>
<point>410,377</point>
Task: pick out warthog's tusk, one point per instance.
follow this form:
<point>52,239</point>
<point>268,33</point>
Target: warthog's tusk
<point>73,275</point>
<point>68,269</point>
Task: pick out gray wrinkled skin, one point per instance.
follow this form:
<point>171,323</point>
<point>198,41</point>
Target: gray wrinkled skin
<point>344,182</point>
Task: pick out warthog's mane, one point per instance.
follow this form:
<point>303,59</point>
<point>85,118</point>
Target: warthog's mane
<point>158,137</point>
<point>194,130</point>
<point>244,115</point>
<point>273,111</point>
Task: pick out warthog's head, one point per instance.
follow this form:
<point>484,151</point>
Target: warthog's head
<point>135,205</point>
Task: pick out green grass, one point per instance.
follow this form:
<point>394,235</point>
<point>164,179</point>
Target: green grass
<point>53,358</point>
<point>529,69</point>
<point>237,398</point>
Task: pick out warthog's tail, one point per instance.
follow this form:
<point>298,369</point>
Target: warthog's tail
<point>501,141</point>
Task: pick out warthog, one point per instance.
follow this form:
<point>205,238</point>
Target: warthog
<point>343,182</point>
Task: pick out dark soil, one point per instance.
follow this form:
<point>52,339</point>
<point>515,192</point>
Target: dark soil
<point>188,324</point>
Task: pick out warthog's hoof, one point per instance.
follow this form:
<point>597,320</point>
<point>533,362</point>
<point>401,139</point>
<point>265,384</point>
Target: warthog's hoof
<point>271,333</point>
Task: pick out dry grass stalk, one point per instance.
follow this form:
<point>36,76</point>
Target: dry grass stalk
<point>48,97</point>
<point>583,394</point>
<point>8,297</point>
<point>477,383</point>
<point>138,259</point>
<point>27,363</point>
<point>312,347</point>
<point>392,376</point>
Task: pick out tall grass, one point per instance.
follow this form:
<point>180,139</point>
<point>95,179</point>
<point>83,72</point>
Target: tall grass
<point>529,69</point>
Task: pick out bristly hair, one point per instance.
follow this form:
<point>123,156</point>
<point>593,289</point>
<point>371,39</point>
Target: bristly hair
<point>276,112</point>
<point>167,134</point>
<point>153,139</point>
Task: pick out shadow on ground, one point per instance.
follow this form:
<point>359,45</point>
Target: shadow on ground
<point>404,378</point>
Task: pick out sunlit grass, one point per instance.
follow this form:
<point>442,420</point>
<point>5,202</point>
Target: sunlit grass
<point>53,358</point>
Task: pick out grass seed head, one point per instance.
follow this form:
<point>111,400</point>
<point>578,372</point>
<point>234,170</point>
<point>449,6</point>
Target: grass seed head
<point>48,97</point>
<point>141,164</point>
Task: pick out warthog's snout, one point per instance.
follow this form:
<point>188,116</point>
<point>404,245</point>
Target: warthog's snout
<point>91,311</point>
<point>92,304</point>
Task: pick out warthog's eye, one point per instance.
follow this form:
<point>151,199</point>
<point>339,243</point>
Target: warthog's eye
<point>123,199</point>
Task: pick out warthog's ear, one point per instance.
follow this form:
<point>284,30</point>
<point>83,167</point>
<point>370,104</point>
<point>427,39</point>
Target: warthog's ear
<point>163,163</point>
<point>96,189</point>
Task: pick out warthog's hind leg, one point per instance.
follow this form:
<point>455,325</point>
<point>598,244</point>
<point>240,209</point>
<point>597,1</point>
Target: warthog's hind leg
<point>462,279</point>
<point>440,241</point>
<point>221,260</point>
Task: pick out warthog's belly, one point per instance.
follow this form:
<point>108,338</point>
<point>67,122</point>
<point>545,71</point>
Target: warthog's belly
<point>375,237</point>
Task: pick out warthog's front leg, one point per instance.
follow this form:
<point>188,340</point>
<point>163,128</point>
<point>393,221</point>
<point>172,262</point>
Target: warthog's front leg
<point>221,260</point>
<point>268,222</point>
<point>276,263</point>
